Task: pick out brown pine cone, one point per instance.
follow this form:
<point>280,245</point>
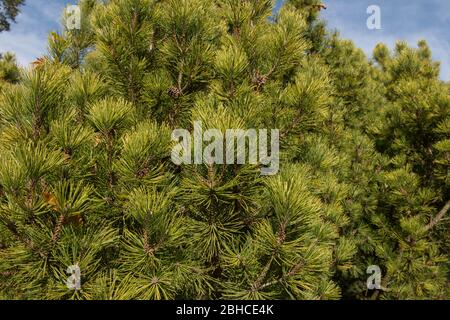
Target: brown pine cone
<point>259,80</point>
<point>174,92</point>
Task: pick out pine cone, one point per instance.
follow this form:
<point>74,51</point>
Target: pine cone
<point>174,92</point>
<point>259,80</point>
<point>142,172</point>
<point>67,153</point>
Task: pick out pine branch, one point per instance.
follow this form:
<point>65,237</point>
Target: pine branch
<point>257,285</point>
<point>12,227</point>
<point>58,229</point>
<point>291,273</point>
<point>439,216</point>
<point>281,236</point>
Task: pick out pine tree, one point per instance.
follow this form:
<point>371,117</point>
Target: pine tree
<point>72,44</point>
<point>9,9</point>
<point>414,198</point>
<point>9,71</point>
<point>87,177</point>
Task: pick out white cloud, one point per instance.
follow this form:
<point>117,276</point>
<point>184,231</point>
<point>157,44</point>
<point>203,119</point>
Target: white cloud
<point>28,37</point>
<point>27,47</point>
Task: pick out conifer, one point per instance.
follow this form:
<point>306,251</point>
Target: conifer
<point>87,178</point>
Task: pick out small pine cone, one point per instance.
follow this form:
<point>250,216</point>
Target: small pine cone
<point>174,92</point>
<point>142,172</point>
<point>259,80</point>
<point>67,153</point>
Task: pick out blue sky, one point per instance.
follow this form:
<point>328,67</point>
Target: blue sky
<point>409,20</point>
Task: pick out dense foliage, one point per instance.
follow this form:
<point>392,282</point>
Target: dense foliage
<point>86,176</point>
